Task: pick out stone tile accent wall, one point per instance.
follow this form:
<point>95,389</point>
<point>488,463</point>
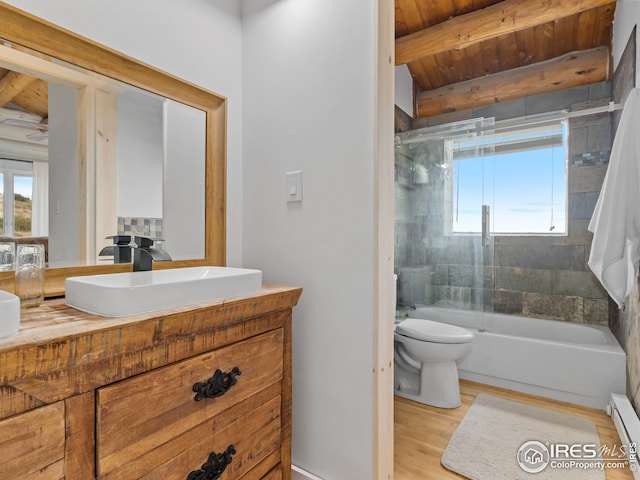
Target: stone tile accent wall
<point>627,330</point>
<point>538,276</point>
<point>625,324</point>
<point>146,227</point>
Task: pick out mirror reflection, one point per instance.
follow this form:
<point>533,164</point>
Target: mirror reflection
<point>84,157</point>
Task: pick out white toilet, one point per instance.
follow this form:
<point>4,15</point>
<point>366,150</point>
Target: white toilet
<point>425,361</point>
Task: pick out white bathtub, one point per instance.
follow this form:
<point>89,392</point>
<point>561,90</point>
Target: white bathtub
<point>581,364</point>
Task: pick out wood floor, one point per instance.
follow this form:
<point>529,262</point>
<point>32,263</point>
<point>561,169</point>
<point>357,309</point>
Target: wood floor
<point>422,432</point>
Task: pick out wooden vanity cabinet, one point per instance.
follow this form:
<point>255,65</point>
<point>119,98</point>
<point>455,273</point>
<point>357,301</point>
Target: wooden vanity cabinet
<point>169,395</point>
<point>33,443</point>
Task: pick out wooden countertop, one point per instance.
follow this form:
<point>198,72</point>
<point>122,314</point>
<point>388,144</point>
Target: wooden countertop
<point>60,351</point>
<point>54,319</point>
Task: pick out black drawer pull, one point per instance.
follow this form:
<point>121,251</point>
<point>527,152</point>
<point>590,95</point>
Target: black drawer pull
<point>217,385</point>
<point>214,466</point>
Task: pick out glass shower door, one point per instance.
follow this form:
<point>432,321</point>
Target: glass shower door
<point>472,164</point>
<point>439,219</point>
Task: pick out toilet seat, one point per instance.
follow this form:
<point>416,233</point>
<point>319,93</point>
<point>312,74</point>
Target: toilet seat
<point>435,332</point>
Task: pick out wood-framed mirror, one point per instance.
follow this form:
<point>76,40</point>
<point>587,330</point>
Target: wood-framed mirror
<point>29,32</point>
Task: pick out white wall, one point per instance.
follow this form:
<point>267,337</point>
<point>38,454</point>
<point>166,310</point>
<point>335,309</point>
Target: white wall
<point>63,174</point>
<point>404,89</point>
<point>140,156</point>
<point>184,182</point>
<point>199,41</point>
<point>627,16</point>
<point>308,73</point>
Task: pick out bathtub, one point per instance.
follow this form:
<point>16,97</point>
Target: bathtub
<point>581,364</point>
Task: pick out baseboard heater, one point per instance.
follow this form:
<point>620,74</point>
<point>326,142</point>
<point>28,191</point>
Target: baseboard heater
<point>628,426</point>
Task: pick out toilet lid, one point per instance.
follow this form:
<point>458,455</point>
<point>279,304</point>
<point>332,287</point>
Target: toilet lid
<point>436,332</point>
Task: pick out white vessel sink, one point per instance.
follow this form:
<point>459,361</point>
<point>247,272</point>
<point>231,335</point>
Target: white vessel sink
<point>9,314</point>
<point>120,294</point>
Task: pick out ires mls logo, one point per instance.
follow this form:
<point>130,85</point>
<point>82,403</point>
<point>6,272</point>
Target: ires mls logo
<point>534,456</point>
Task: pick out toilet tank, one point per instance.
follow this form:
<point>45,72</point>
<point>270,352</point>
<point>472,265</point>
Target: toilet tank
<point>415,285</point>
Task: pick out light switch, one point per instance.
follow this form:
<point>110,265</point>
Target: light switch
<point>294,186</point>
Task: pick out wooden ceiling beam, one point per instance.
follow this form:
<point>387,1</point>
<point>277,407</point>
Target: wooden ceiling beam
<point>567,71</point>
<point>11,85</point>
<point>35,98</point>
<point>501,18</point>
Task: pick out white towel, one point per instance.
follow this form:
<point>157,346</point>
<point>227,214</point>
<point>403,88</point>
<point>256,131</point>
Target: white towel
<point>616,219</point>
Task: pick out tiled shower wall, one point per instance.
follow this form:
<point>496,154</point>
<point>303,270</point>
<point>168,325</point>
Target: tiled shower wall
<point>144,226</point>
<point>625,324</point>
<point>539,276</point>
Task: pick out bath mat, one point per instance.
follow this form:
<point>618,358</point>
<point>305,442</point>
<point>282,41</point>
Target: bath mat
<point>504,440</point>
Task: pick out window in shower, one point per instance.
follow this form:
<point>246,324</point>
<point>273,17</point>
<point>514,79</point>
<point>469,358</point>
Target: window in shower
<point>520,172</point>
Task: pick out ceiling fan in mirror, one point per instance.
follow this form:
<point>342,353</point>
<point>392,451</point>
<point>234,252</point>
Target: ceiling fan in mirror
<point>24,105</point>
<point>40,129</point>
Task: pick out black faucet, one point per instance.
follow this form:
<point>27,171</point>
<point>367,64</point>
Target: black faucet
<point>144,254</point>
<point>120,250</point>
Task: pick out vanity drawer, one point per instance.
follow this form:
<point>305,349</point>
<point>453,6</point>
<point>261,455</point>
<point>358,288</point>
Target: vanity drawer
<point>246,440</point>
<point>142,415</point>
<point>32,444</point>
<point>275,474</point>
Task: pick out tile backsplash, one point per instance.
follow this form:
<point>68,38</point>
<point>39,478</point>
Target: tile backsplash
<point>147,227</point>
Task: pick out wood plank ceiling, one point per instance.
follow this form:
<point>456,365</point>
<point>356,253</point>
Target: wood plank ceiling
<point>26,92</point>
<point>468,53</point>
<point>24,111</point>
